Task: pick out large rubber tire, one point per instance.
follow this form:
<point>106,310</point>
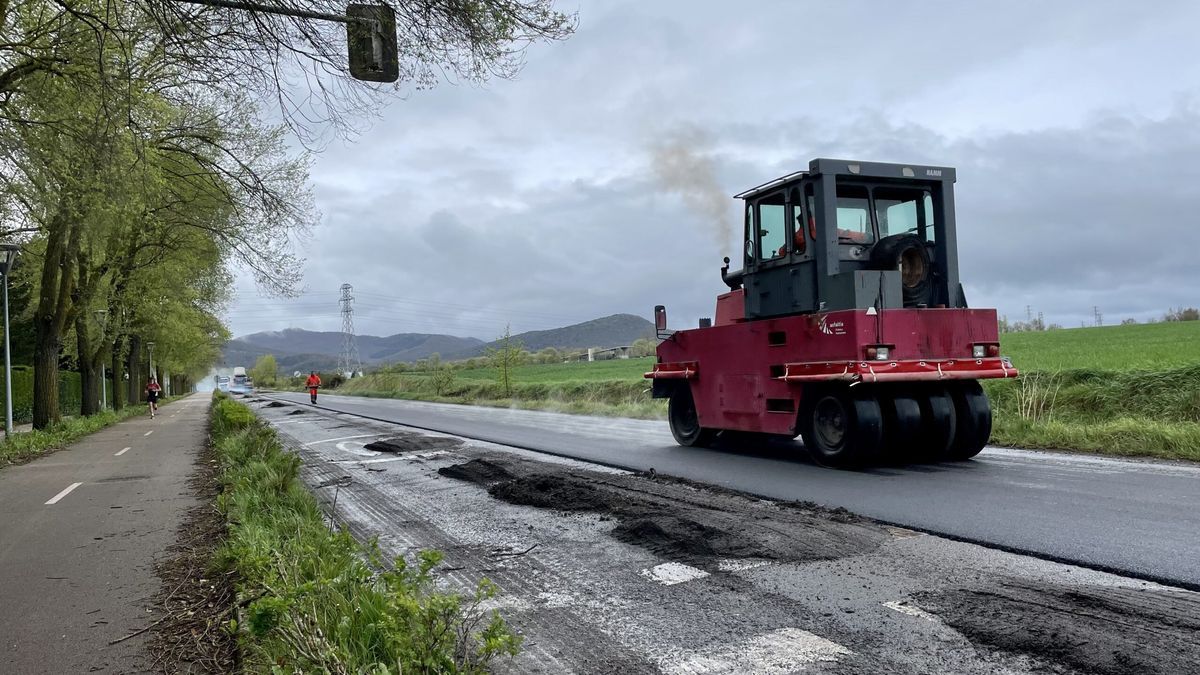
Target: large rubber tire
<point>842,428</point>
<point>907,253</point>
<point>973,420</point>
<point>901,426</point>
<point>685,424</point>
<point>938,425</point>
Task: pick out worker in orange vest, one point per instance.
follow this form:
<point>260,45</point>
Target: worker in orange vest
<point>312,383</point>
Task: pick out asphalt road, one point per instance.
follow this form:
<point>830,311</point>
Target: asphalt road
<point>1133,517</point>
<point>81,532</point>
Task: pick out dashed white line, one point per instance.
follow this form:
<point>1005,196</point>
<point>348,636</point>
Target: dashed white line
<point>903,607</point>
<point>669,574</point>
<point>732,565</point>
<point>64,493</point>
<point>122,452</point>
<point>148,432</point>
<point>343,438</point>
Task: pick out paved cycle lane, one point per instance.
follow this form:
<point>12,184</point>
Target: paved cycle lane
<point>80,533</point>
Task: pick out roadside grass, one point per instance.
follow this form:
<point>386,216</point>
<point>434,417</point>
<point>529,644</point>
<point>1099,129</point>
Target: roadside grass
<point>1122,390</point>
<point>25,446</point>
<point>316,600</point>
<point>1131,413</point>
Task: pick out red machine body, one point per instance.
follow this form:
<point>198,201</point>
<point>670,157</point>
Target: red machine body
<point>747,375</point>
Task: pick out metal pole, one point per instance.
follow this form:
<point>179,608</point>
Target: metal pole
<point>8,425</point>
<point>103,388</point>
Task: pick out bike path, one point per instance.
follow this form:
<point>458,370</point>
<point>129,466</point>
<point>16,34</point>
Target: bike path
<point>80,533</point>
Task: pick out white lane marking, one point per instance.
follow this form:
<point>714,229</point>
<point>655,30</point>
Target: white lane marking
<point>903,607</point>
<point>148,432</point>
<point>343,438</point>
<point>786,650</point>
<point>64,493</point>
<point>669,574</point>
<point>344,446</point>
<point>122,452</point>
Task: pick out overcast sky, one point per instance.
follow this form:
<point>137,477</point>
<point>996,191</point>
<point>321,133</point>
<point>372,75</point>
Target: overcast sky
<point>1075,128</point>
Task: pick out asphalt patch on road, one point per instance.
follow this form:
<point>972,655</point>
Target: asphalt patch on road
<point>678,520</point>
<point>413,443</point>
<point>479,471</point>
<point>1103,630</point>
<point>277,404</point>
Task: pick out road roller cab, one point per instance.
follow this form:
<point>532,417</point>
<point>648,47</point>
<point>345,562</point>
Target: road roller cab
<point>846,324</point>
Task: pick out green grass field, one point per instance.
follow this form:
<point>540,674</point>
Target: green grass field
<point>1127,390</point>
<point>1155,346</point>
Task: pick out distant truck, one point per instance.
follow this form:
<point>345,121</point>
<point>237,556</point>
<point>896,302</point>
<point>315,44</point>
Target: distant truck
<point>240,383</point>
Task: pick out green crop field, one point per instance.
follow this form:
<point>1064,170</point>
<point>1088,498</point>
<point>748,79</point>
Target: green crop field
<point>1110,348</point>
<point>576,371</point>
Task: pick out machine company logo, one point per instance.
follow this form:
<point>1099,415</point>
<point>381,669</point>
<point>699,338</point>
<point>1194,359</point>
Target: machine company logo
<point>835,328</point>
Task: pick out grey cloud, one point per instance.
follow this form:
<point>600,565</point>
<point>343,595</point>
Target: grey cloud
<point>535,201</point>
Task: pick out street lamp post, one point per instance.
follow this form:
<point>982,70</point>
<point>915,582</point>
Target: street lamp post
<point>150,348</point>
<point>101,314</point>
<point>8,255</point>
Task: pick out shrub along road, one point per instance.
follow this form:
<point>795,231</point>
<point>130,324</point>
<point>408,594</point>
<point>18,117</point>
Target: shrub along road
<point>81,532</point>
<point>606,571</point>
<point>1136,517</point>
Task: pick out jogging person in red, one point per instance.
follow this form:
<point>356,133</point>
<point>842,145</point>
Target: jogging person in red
<point>312,383</point>
<point>153,391</point>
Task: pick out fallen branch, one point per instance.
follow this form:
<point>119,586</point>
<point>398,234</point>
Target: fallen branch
<point>138,632</point>
<point>514,554</point>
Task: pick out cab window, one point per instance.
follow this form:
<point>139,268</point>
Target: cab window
<point>750,238</point>
<point>854,215</point>
<point>903,211</point>
<point>772,227</point>
<point>796,223</point>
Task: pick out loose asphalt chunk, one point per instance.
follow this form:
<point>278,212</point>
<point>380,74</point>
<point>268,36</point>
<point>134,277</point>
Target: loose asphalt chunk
<point>1108,631</point>
<point>480,471</point>
<point>277,404</point>
<point>413,443</point>
<point>298,412</point>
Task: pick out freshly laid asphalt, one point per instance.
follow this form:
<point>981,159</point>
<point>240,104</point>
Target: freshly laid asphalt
<point>78,574</point>
<point>1138,518</point>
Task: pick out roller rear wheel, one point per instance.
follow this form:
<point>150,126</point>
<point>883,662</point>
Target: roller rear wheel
<point>685,423</point>
<point>973,418</point>
<point>842,427</point>
<point>902,427</point>
<point>938,425</point>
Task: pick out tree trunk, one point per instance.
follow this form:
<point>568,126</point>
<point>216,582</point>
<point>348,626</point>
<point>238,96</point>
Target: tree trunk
<point>118,391</point>
<point>53,315</point>
<point>45,379</point>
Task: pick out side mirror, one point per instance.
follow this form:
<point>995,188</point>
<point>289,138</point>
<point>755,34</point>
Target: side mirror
<point>660,322</point>
<point>371,40</point>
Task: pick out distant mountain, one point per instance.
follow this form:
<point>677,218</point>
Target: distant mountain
<point>303,350</point>
<point>298,349</point>
<point>610,331</point>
